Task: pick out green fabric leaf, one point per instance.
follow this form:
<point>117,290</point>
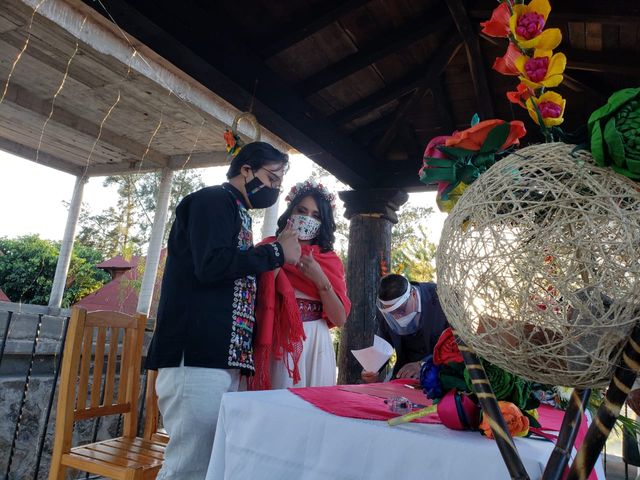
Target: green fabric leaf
<point>533,422</point>
<point>614,143</point>
<point>475,119</point>
<point>597,143</point>
<point>431,175</point>
<point>615,101</point>
<point>456,152</point>
<point>496,138</point>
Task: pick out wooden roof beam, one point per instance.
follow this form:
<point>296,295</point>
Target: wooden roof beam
<point>182,34</point>
<point>44,158</point>
<point>474,57</point>
<point>387,43</point>
<point>24,98</point>
<point>437,64</point>
<point>619,63</point>
<point>316,18</point>
<point>396,89</point>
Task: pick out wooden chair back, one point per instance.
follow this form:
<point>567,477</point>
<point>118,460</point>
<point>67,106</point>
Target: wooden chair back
<point>152,430</point>
<point>92,387</point>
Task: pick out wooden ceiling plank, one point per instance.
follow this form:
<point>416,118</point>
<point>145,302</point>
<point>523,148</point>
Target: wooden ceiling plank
<point>396,89</point>
<point>316,18</point>
<point>386,44</point>
<point>182,34</point>
<point>474,58</point>
<point>22,97</point>
<point>436,65</point>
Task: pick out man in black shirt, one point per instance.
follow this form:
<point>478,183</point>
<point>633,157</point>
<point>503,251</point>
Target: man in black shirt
<point>204,332</point>
<point>411,319</point>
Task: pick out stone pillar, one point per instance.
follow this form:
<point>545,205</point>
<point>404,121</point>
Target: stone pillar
<point>155,243</point>
<point>66,247</point>
<point>371,213</point>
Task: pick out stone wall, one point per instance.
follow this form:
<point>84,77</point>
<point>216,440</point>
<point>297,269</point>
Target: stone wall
<point>27,370</point>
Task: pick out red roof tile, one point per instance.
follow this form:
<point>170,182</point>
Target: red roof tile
<point>120,262</point>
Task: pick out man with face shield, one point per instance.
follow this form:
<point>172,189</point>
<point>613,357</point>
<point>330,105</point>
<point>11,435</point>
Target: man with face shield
<point>204,333</point>
<point>409,318</point>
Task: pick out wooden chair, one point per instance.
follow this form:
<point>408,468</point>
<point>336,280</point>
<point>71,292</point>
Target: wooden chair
<point>81,396</point>
<point>151,412</point>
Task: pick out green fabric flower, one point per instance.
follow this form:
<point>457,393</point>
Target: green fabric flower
<point>614,130</point>
<point>505,385</point>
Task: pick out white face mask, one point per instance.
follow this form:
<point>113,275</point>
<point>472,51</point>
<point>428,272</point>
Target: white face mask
<point>306,227</point>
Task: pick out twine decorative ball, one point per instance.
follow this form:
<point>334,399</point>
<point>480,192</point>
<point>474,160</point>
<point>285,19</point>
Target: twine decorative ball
<point>539,266</point>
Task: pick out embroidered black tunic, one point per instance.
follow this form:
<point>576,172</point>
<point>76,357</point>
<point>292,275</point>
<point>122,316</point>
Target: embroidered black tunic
<point>207,301</point>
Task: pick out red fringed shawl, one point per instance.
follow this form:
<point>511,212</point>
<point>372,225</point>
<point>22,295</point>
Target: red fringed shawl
<point>279,331</point>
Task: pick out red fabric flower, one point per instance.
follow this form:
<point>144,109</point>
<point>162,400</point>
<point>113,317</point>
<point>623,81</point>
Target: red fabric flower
<point>498,24</point>
<point>446,349</point>
<point>506,64</point>
<point>521,95</point>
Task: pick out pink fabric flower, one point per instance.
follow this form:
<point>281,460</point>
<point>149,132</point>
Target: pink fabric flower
<point>550,109</point>
<point>530,25</point>
<point>537,68</point>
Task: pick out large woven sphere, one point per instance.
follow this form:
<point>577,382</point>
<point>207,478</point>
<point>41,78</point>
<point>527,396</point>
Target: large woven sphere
<point>539,266</point>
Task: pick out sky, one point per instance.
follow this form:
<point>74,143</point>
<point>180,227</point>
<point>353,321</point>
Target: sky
<point>33,196</point>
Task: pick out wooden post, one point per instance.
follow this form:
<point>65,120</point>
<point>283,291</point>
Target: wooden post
<point>372,213</point>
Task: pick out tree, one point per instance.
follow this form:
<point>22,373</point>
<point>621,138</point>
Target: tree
<point>126,228</point>
<point>412,254</point>
<point>28,265</point>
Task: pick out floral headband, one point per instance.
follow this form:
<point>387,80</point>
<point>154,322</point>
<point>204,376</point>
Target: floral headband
<point>311,185</point>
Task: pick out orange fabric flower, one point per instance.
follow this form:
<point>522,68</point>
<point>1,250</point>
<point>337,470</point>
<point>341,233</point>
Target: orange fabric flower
<point>517,422</point>
<point>506,65</point>
<point>473,138</point>
<point>498,24</point>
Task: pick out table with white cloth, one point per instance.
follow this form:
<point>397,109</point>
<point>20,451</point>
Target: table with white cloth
<point>278,435</point>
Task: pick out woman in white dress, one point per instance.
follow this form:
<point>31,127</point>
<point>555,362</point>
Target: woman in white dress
<point>297,305</point>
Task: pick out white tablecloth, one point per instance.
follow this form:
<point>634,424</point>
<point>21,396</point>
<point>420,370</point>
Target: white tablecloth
<point>277,435</point>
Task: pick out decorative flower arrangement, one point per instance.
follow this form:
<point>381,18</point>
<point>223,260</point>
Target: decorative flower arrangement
<point>530,57</point>
<point>443,376</point>
<point>308,186</point>
<point>457,160</point>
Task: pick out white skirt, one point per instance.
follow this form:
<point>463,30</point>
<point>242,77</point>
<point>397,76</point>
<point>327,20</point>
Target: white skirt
<point>317,363</point>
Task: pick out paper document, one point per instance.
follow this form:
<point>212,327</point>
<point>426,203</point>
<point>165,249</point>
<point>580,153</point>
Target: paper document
<point>372,358</point>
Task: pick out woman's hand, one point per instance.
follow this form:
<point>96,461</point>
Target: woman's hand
<point>311,269</point>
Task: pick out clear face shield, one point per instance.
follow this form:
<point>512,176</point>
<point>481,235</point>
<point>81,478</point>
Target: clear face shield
<point>402,313</point>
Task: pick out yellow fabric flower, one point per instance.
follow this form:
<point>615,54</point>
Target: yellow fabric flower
<point>551,107</point>
<point>541,70</point>
<point>527,25</point>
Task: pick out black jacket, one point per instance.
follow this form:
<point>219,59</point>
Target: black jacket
<point>432,322</point>
<point>207,301</point>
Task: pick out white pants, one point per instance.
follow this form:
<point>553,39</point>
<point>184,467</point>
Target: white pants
<point>189,401</point>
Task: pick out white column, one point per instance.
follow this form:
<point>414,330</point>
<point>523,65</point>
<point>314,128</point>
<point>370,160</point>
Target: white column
<point>155,243</point>
<point>270,223</point>
<point>64,258</point>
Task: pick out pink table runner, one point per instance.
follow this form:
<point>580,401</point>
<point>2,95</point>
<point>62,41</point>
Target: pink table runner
<point>367,402</point>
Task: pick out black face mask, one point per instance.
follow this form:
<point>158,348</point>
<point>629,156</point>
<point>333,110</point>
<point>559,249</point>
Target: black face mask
<point>259,195</point>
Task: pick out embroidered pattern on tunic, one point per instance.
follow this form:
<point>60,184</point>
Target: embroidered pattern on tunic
<point>244,298</point>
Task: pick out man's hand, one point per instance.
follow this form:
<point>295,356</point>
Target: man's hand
<point>288,240</point>
<point>370,377</point>
<point>410,370</point>
<point>633,400</point>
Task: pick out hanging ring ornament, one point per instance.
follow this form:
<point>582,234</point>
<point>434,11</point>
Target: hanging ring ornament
<point>232,137</point>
